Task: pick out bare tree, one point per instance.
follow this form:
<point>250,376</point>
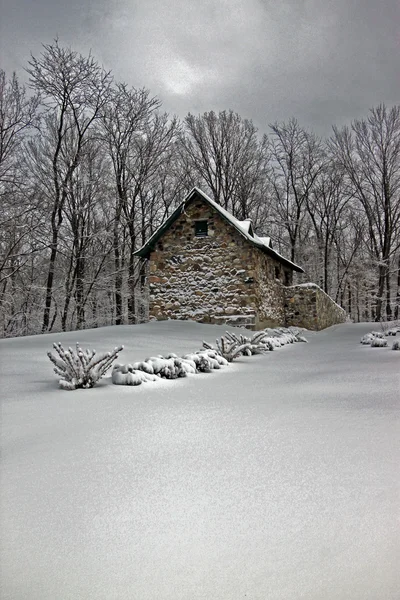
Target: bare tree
<point>369,152</point>
<point>123,123</point>
<point>326,205</point>
<point>18,203</point>
<point>73,89</point>
<point>86,241</point>
<point>224,153</point>
<point>148,152</point>
<point>17,115</point>
<point>297,159</point>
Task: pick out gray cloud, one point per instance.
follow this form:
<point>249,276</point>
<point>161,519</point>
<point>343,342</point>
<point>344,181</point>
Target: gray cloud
<point>322,61</point>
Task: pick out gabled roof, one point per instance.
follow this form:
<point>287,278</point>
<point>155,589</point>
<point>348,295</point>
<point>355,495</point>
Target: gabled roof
<point>245,228</point>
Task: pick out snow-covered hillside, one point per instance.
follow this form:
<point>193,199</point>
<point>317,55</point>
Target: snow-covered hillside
<point>274,478</point>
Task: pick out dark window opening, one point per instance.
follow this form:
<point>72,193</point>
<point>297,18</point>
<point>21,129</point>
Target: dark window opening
<point>201,228</point>
<point>277,272</point>
<point>287,278</point>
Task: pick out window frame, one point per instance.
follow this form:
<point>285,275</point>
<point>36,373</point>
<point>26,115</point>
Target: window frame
<point>201,228</point>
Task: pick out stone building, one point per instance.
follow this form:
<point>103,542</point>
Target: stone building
<point>207,266</point>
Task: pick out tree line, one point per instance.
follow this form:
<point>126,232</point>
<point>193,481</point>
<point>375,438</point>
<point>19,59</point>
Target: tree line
<point>90,167</point>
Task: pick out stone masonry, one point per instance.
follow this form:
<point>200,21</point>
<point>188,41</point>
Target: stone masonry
<point>214,279</point>
<point>307,305</point>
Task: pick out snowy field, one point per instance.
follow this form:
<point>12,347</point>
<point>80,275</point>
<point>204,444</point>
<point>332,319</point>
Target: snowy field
<point>276,478</point>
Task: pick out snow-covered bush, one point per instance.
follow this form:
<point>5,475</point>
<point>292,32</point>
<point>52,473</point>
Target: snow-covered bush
<point>233,345</point>
<point>378,343</point>
<point>378,334</point>
<point>230,348</point>
<point>301,338</point>
<point>81,368</point>
<point>257,344</point>
<point>128,375</point>
<point>143,366</point>
<point>211,353</point>
<point>367,339</point>
<point>211,357</point>
<point>285,335</point>
<point>396,346</point>
<point>189,366</point>
<point>392,331</point>
<point>168,368</point>
<point>227,348</point>
<point>201,361</point>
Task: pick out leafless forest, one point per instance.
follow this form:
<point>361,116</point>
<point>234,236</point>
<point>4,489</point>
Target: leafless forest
<point>90,167</point>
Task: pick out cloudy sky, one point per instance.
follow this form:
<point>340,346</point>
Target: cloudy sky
<point>321,61</point>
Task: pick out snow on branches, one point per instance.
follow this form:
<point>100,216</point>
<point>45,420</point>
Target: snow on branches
<point>377,339</point>
<point>233,345</point>
<point>81,368</point>
<point>379,343</point>
<point>167,367</point>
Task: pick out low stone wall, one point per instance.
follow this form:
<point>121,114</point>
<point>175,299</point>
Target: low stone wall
<point>307,305</point>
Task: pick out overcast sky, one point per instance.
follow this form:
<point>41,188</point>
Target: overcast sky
<point>321,61</point>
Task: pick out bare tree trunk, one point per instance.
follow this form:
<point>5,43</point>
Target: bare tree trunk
<point>49,282</point>
<point>388,298</point>
<point>118,276</point>
<point>381,287</point>
<point>69,284</point>
<point>79,293</point>
<point>397,307</point>
<point>350,298</point>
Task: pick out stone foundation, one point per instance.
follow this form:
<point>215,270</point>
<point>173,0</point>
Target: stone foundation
<point>307,305</point>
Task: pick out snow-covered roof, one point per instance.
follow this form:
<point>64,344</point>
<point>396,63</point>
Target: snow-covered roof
<point>245,228</point>
<point>266,241</point>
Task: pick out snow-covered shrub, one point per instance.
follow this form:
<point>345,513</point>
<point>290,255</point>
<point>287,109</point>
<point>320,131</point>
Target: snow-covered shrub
<point>367,339</point>
<point>228,347</point>
<point>233,345</point>
<point>297,332</point>
<point>396,346</point>
<point>231,348</point>
<point>257,344</point>
<point>168,368</point>
<point>143,366</point>
<point>392,331</point>
<point>378,334</point>
<point>81,368</point>
<point>378,343</point>
<point>214,364</point>
<point>285,335</point>
<point>211,353</point>
<point>189,366</point>
<point>202,362</point>
<point>128,375</point>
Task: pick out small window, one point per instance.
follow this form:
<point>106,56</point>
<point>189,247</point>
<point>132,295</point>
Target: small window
<point>201,228</point>
<point>277,272</point>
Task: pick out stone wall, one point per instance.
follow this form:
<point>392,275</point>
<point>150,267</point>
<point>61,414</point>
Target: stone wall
<point>214,279</point>
<point>307,305</point>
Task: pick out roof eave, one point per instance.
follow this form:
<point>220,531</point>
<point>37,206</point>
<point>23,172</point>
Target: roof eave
<point>279,258</point>
<point>149,247</point>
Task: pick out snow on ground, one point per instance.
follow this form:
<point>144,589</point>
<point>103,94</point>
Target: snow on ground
<point>276,477</point>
